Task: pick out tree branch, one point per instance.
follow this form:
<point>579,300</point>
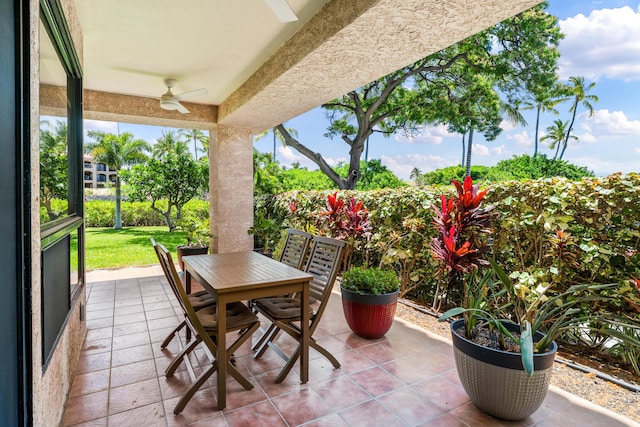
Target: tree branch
<point>314,157</point>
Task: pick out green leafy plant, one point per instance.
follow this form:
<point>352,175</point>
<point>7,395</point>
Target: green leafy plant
<point>370,280</point>
<point>266,230</point>
<point>541,308</point>
<point>196,231</point>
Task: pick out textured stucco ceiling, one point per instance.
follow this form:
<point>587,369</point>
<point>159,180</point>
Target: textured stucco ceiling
<point>259,71</point>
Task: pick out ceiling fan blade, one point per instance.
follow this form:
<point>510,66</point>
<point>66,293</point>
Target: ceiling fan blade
<point>282,10</point>
<point>182,109</point>
<point>191,94</point>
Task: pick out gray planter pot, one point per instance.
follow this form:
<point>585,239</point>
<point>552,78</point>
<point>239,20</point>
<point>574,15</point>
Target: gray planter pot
<point>495,380</point>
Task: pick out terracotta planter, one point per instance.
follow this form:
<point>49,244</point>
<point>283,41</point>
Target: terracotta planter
<point>495,380</point>
<point>190,250</point>
<point>369,316</point>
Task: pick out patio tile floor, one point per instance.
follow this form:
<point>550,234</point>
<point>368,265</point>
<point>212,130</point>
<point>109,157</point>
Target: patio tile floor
<point>406,378</point>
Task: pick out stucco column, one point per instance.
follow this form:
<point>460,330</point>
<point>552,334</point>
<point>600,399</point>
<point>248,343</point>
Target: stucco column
<point>230,188</point>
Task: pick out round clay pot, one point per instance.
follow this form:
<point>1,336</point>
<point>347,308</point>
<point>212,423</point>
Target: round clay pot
<point>369,316</point>
<point>496,381</point>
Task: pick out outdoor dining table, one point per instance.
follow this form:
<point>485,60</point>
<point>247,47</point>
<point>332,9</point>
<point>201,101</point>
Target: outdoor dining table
<point>240,276</point>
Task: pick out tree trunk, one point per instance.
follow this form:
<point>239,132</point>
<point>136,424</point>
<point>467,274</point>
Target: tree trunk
<point>566,138</point>
<point>557,150</point>
<point>535,150</point>
<point>464,152</point>
<point>195,147</point>
<point>469,147</point>
<point>118,224</point>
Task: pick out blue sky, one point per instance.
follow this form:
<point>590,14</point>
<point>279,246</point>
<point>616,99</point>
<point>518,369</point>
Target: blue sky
<point>602,44</point>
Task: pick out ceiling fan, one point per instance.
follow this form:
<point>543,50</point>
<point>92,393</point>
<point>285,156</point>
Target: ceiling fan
<point>282,10</point>
<point>169,101</point>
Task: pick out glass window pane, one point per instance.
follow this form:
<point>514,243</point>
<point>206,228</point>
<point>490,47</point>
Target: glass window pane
<point>54,164</point>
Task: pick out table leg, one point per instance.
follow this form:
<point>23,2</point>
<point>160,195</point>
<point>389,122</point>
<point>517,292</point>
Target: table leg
<point>221,356</point>
<point>187,282</point>
<point>187,289</point>
<point>304,330</point>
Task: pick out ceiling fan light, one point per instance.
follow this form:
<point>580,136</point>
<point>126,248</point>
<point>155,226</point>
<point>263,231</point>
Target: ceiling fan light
<point>169,104</point>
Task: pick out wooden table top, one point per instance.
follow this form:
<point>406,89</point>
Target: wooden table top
<point>240,270</point>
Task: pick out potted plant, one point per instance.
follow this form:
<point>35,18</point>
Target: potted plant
<point>504,359</point>
<point>197,233</point>
<point>369,299</point>
<point>267,231</point>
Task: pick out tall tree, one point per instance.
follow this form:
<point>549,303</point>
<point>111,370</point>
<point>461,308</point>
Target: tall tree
<point>117,151</point>
<point>415,174</point>
<point>543,101</point>
<point>556,134</point>
<point>53,165</point>
<point>176,178</point>
<point>508,54</point>
<point>578,91</point>
<point>197,136</point>
<point>169,142</point>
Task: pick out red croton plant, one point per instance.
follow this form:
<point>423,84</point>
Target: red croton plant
<point>458,248</point>
<point>345,221</point>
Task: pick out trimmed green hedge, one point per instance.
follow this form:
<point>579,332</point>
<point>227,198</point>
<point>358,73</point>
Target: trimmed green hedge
<point>601,215</point>
<point>101,213</point>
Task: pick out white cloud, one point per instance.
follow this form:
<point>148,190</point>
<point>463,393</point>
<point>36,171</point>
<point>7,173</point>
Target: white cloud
<point>603,167</point>
<point>507,125</point>
<point>403,164</point>
<point>501,151</point>
<point>522,139</point>
<point>333,162</point>
<point>637,150</point>
<point>288,156</point>
<point>427,135</point>
<point>608,125</point>
<point>480,150</point>
<point>605,43</point>
<point>109,127</point>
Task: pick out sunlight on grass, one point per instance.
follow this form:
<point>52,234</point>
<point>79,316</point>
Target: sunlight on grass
<point>129,247</point>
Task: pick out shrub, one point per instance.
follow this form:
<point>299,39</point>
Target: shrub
<point>374,281</point>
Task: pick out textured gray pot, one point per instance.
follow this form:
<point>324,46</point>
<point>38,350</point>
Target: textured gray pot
<point>495,380</point>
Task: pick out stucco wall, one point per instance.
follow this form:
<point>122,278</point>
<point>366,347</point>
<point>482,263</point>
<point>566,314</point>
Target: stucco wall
<point>51,385</point>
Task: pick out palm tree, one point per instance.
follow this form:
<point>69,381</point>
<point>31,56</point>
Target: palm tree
<point>277,136</point>
<point>196,136</point>
<point>556,134</point>
<point>117,151</point>
<point>169,142</point>
<point>578,92</point>
<point>542,102</point>
<point>53,165</point>
<point>415,174</point>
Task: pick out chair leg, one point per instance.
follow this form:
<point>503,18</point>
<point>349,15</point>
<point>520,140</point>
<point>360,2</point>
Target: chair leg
<point>266,341</point>
<point>287,367</point>
<point>173,333</point>
<point>194,388</point>
<point>263,337</point>
<point>188,348</point>
<point>325,353</point>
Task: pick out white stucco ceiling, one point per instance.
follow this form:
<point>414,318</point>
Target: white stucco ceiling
<point>130,47</point>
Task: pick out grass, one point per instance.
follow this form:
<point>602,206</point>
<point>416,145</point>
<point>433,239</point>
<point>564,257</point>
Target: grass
<point>129,247</point>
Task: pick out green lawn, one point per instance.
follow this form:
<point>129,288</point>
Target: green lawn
<point>129,247</point>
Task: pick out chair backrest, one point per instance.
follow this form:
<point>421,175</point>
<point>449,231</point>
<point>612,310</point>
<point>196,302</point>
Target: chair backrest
<point>172,276</point>
<point>174,280</point>
<point>323,264</point>
<point>295,248</point>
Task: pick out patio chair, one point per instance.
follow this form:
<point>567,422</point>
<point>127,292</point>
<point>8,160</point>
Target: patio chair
<point>199,300</point>
<point>295,248</point>
<point>202,324</point>
<point>284,312</point>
